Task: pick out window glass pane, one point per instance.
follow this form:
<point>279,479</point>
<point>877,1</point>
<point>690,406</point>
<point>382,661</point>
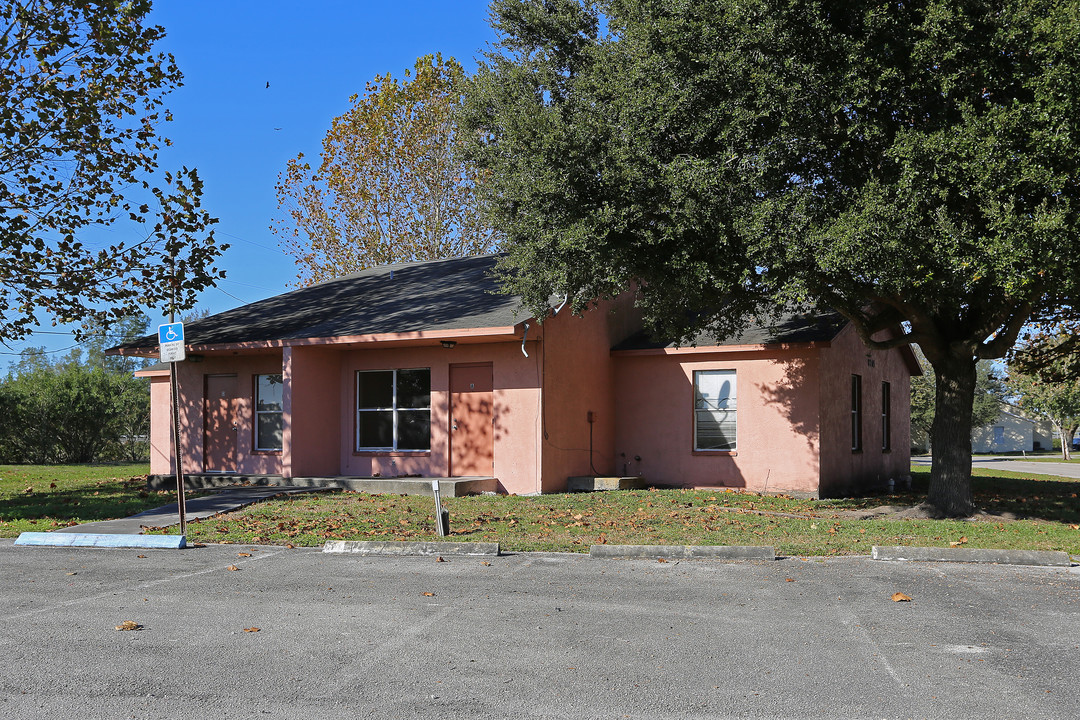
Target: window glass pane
<point>376,389</point>
<point>714,389</point>
<point>375,429</point>
<point>414,430</point>
<point>269,431</point>
<point>715,429</point>
<point>414,388</point>
<point>268,392</point>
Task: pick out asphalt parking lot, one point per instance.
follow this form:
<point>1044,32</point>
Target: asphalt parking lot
<point>528,635</point>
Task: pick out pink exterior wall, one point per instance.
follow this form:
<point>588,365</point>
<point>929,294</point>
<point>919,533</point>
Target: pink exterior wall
<point>843,470</point>
<point>777,427</point>
<point>312,399</point>
<point>578,380</point>
<point>191,377</point>
<point>515,415</point>
<point>160,427</point>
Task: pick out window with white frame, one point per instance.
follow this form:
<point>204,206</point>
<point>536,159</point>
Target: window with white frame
<point>714,410</point>
<point>268,421</point>
<point>393,409</point>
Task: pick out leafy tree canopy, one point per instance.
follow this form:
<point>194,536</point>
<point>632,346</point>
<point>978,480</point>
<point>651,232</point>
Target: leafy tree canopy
<point>392,185</point>
<point>81,91</point>
<point>915,166</point>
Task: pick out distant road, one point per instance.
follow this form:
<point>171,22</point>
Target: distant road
<point>1014,464</point>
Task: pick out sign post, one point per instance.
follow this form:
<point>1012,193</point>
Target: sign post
<point>442,516</point>
<point>171,341</point>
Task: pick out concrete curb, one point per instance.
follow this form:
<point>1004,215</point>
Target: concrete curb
<point>684,552</point>
<point>56,539</point>
<point>376,547</point>
<point>1053,558</point>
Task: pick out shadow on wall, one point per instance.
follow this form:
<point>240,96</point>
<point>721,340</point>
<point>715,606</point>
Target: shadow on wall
<point>789,397</point>
<point>471,436</point>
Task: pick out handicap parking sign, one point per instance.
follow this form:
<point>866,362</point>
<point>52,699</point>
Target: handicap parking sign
<point>171,341</point>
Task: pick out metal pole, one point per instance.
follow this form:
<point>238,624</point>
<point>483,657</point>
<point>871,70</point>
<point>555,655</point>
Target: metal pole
<point>442,517</point>
<point>181,501</point>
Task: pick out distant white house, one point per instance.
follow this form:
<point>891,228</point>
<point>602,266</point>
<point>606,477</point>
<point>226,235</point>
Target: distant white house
<point>1011,432</point>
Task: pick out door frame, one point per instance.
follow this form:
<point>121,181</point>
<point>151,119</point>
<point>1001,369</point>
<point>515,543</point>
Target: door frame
<point>450,413</point>
<point>229,436</point>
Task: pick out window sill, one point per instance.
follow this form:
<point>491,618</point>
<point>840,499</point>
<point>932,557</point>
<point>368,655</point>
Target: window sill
<point>266,452</point>
<point>715,453</point>
<point>391,453</point>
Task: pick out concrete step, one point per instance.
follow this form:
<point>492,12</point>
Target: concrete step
<point>448,487</point>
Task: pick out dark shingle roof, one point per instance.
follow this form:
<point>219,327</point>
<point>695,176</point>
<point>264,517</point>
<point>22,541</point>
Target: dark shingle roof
<point>422,296</point>
<point>788,328</point>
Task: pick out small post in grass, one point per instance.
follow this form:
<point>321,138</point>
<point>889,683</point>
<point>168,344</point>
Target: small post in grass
<point>442,517</point>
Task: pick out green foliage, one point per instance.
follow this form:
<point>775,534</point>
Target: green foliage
<point>391,186</point>
<point>81,91</point>
<point>913,165</point>
<point>76,411</point>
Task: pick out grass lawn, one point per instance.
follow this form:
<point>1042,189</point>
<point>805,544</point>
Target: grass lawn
<point>573,522</point>
<point>46,497</point>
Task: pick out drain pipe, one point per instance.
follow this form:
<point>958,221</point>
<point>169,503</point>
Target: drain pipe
<point>523,339</point>
<point>566,299</point>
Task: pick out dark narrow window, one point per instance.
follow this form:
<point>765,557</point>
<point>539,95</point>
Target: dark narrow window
<point>886,411</point>
<point>856,413</point>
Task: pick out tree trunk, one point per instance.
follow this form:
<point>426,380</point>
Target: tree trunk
<point>950,473</point>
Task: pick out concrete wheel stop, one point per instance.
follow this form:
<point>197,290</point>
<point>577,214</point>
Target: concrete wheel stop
<point>1053,558</point>
<point>70,539</point>
<point>389,547</point>
<point>684,552</point>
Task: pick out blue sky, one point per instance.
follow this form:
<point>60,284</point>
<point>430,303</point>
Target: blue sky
<point>239,133</point>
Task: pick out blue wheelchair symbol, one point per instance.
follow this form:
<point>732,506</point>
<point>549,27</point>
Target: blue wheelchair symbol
<point>173,332</point>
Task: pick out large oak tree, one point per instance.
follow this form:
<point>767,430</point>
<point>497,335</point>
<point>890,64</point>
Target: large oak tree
<point>914,165</point>
<point>81,92</point>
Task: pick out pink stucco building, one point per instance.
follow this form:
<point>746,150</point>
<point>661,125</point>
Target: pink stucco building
<point>427,369</point>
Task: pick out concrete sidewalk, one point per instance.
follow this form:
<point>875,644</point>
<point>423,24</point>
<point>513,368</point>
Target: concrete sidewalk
<point>166,515</point>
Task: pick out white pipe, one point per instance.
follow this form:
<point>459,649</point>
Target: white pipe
<point>523,338</point>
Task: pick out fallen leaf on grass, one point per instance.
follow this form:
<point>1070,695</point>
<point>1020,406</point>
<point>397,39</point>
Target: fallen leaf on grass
<point>958,543</point>
<point>289,546</point>
<point>129,625</point>
<point>1075,527</point>
<point>232,567</point>
<point>901,597</point>
<point>251,629</point>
